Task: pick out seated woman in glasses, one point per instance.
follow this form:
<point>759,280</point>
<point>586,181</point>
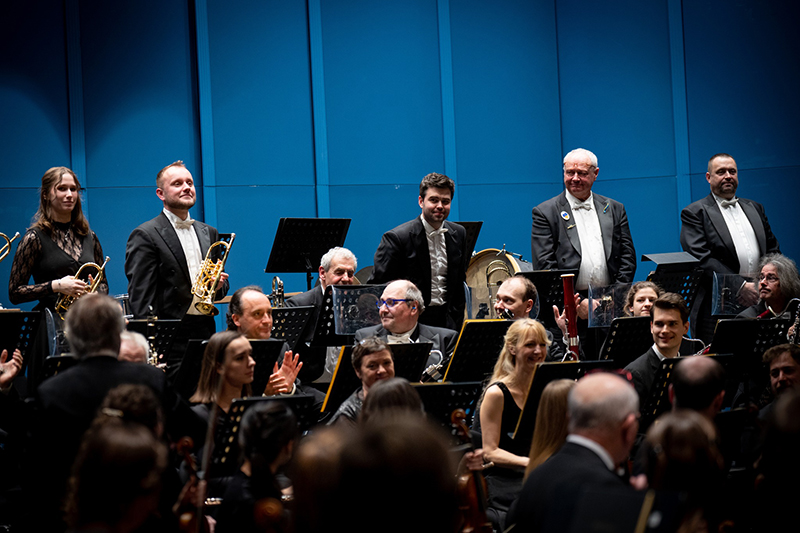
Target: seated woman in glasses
<point>525,346</point>
<point>373,362</point>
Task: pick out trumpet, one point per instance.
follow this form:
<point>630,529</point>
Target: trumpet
<point>277,296</point>
<point>65,301</point>
<point>4,251</point>
<point>207,280</point>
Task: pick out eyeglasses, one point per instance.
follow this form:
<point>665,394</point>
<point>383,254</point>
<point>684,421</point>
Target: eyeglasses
<point>771,278</point>
<point>391,302</point>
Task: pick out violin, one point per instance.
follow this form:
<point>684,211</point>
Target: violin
<point>191,520</point>
<point>472,488</point>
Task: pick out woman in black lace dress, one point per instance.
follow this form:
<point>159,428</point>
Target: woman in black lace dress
<point>55,246</point>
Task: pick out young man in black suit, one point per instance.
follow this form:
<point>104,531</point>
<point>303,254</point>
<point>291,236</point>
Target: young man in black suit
<point>728,235</point>
<point>163,257</point>
<point>430,252</point>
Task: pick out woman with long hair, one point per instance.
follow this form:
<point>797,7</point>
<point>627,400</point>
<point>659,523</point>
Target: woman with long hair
<point>640,298</point>
<point>56,245</point>
<point>525,346</point>
<point>226,373</point>
<point>550,432</point>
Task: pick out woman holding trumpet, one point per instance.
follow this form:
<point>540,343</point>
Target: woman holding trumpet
<point>55,246</point>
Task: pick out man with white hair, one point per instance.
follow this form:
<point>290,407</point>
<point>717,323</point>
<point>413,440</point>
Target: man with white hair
<point>603,421</point>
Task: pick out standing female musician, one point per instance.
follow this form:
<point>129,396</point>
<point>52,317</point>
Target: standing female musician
<point>640,298</point>
<point>55,246</point>
<point>524,346</point>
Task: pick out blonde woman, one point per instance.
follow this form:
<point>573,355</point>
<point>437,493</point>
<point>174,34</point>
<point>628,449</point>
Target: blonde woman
<point>551,423</point>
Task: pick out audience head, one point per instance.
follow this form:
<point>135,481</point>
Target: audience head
<point>436,192</point>
<point>604,407</point>
<point>698,384</point>
<point>669,322</point>
<point>116,477</point>
<point>93,326</point>
<point>778,281</point>
<point>722,175</point>
<point>373,361</point>
<point>516,294</point>
<point>388,398</point>
<point>132,403</point>
<point>640,298</point>
<point>59,195</point>
<point>550,431</point>
<point>408,304</point>
<point>250,313</point>
<point>580,173</point>
<point>525,343</point>
<point>133,347</point>
<point>227,357</point>
<point>337,267</point>
<point>783,361</point>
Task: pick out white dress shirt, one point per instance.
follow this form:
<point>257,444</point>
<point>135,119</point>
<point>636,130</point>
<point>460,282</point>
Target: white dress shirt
<point>191,249</point>
<point>593,267</point>
<point>438,252</point>
<point>744,238</point>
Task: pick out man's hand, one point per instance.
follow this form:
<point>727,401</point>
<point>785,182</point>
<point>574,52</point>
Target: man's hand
<point>748,295</point>
<point>580,306</point>
<point>283,378</point>
<point>10,368</point>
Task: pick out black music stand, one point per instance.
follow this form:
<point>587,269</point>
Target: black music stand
<point>477,349</point>
<point>627,339</point>
<point>550,289</point>
<point>622,510</point>
<point>473,229</point>
<point>346,309</point>
<point>343,382</point>
<point>748,338</point>
<point>225,455</point>
<point>441,399</point>
<point>55,364</point>
<point>677,272</point>
<point>300,243</point>
<point>18,330</point>
<point>410,359</point>
<point>543,374</point>
<point>657,402</point>
<point>290,325</point>
<point>160,333</point>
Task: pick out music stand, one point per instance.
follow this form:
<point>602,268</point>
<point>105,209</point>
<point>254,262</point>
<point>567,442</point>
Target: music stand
<point>748,338</point>
<point>543,374</point>
<point>410,359</point>
<point>345,309</point>
<point>677,272</point>
<point>300,243</point>
<point>473,229</point>
<point>441,399</point>
<point>18,330</point>
<point>657,402</point>
<point>55,364</point>
<point>226,443</point>
<point>343,382</point>
<point>550,289</point>
<point>627,339</point>
<point>290,324</point>
<point>477,349</point>
<point>160,333</point>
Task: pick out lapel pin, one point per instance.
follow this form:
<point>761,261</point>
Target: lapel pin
<point>605,208</point>
<point>564,215</point>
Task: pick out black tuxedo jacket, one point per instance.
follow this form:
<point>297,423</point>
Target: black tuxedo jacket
<point>705,235</point>
<point>403,254</point>
<point>156,268</point>
<point>443,339</point>
<point>551,493</point>
<point>555,243</point>
<point>643,369</point>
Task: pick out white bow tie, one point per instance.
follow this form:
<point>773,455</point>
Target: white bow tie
<point>728,203</point>
<point>584,205</point>
<point>184,224</point>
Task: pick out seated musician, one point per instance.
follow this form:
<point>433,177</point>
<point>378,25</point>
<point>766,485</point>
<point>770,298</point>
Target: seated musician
<point>669,322</point>
<point>778,283</point>
<point>516,296</point>
<point>525,345</point>
<point>401,305</point>
<point>337,267</point>
<point>640,298</point>
<point>373,361</point>
<point>133,347</point>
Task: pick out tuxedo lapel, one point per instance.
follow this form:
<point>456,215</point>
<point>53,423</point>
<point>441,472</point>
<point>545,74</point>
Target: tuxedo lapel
<point>606,219</point>
<point>715,216</point>
<point>170,238</point>
<point>420,240</point>
<point>756,223</point>
<point>568,222</point>
<point>202,235</point>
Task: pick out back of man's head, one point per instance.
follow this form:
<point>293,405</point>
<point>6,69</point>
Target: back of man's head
<point>600,401</point>
<point>696,382</point>
<point>93,326</point>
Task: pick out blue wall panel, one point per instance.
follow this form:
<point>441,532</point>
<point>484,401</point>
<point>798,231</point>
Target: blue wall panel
<point>616,94</point>
<point>261,93</point>
<point>505,79</point>
<point>382,91</point>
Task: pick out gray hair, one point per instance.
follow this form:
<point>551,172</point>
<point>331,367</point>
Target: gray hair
<point>413,293</point>
<point>787,274</point>
<point>582,152</point>
<point>337,251</point>
<point>596,410</point>
<point>137,339</point>
<point>93,325</point>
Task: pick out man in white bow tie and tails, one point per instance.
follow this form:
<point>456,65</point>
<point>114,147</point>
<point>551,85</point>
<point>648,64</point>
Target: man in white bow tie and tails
<point>728,235</point>
<point>430,252</point>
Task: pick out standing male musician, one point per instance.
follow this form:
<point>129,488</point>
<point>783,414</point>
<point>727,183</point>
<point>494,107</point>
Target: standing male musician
<point>728,235</point>
<point>337,267</point>
<point>163,257</point>
<point>430,252</point>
